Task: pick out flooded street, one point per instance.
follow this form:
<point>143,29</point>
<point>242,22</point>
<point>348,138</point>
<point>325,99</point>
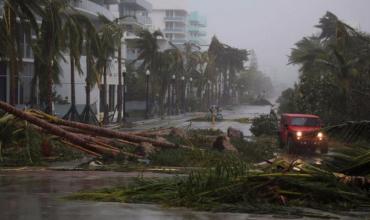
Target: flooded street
<point>242,111</point>
<point>34,195</point>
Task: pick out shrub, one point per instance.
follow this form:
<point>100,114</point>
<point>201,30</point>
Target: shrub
<point>264,125</point>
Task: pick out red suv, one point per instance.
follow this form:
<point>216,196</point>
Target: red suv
<point>301,133</point>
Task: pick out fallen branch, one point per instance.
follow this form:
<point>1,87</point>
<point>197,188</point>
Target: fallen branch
<point>104,132</point>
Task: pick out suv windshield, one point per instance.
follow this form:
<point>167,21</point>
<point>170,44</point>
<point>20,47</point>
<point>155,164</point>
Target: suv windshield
<point>311,122</point>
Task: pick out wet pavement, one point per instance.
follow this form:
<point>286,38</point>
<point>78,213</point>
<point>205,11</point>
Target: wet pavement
<point>34,195</point>
<point>242,111</point>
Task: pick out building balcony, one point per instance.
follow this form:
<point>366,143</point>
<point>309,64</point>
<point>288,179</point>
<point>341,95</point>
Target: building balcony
<point>175,30</point>
<point>137,20</point>
<point>181,19</point>
<point>196,19</point>
<point>92,9</point>
<point>138,5</point>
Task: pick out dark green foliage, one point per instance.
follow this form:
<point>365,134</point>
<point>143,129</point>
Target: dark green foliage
<point>287,103</point>
<point>202,154</point>
<point>334,81</point>
<point>264,125</point>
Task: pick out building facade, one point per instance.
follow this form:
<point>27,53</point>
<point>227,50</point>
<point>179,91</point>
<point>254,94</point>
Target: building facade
<point>197,25</point>
<point>171,17</point>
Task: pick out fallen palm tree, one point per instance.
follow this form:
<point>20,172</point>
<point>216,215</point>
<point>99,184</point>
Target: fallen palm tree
<point>93,140</point>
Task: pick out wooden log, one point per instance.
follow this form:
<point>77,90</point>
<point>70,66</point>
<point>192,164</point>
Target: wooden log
<point>104,132</point>
<point>50,128</point>
<point>92,153</point>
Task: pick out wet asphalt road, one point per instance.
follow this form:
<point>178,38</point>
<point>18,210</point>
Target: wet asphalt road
<point>242,111</point>
<point>36,195</point>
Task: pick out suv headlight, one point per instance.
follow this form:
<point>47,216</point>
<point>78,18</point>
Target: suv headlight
<point>320,135</point>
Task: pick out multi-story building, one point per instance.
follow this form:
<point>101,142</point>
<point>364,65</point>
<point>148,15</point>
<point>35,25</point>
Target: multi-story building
<point>196,28</point>
<point>171,17</point>
<point>134,14</point>
<point>176,23</point>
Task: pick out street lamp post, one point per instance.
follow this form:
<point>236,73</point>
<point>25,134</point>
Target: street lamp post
<point>183,93</point>
<point>147,94</point>
<point>209,93</point>
<point>227,87</point>
<point>190,96</point>
<point>124,70</point>
<point>173,94</point>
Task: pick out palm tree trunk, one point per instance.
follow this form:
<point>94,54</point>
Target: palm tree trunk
<point>1,152</point>
<point>169,99</point>
<point>103,132</point>
<point>105,88</point>
<point>72,114</point>
<point>49,108</point>
<point>119,90</point>
<point>87,115</point>
<point>73,89</point>
<point>10,17</point>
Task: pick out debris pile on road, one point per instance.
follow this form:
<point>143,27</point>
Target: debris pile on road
<point>90,139</point>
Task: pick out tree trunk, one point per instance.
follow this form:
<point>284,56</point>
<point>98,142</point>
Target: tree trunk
<point>88,116</point>
<point>1,152</point>
<point>53,129</point>
<point>119,90</point>
<point>105,105</point>
<point>104,132</point>
<point>49,108</point>
<point>73,89</point>
<point>10,17</point>
<point>72,113</point>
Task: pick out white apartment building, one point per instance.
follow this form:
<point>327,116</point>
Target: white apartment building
<point>171,17</point>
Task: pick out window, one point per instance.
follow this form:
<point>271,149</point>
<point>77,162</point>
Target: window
<point>169,25</point>
<point>25,83</point>
<point>310,122</point>
<point>169,13</point>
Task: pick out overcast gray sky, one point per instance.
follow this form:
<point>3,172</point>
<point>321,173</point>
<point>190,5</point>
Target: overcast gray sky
<point>271,27</point>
